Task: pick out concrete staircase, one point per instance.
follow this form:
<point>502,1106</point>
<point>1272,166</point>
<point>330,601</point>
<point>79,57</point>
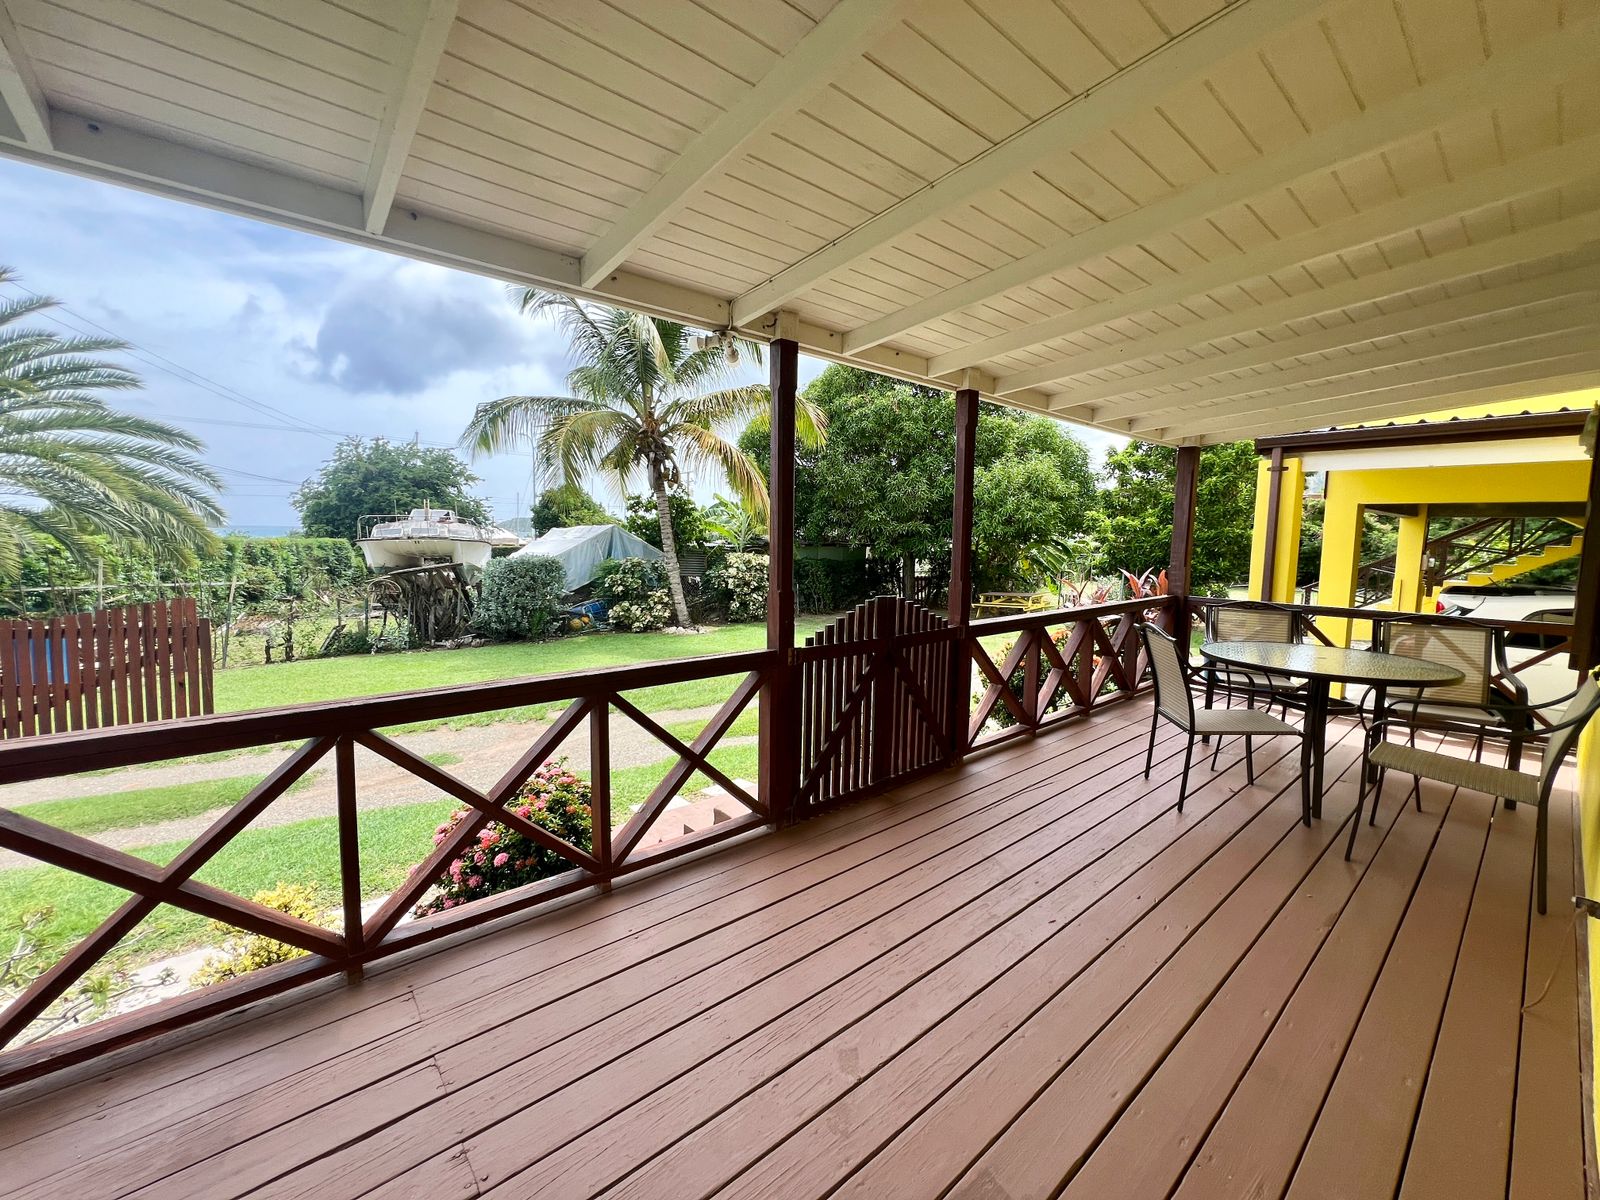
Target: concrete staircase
<point>1522,564</point>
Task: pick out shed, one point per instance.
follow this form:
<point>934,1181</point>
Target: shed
<point>582,548</point>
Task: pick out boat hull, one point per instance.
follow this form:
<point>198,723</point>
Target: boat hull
<point>389,554</point>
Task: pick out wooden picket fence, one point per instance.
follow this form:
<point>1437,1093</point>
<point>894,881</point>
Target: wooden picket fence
<point>117,666</point>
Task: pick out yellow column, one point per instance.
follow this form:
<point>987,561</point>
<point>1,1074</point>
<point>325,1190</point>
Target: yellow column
<point>1408,581</point>
<point>1341,550</point>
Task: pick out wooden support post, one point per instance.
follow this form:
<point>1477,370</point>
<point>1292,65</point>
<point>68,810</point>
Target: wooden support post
<point>1185,483</point>
<point>1274,503</point>
<point>779,727</point>
<point>960,605</point>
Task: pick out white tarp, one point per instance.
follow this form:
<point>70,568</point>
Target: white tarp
<point>582,548</point>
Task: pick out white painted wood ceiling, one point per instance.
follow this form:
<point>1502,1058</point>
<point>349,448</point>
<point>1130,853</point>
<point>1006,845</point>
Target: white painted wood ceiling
<point>1188,220</point>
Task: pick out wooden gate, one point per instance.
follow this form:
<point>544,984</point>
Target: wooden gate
<point>874,701</point>
<point>118,666</point>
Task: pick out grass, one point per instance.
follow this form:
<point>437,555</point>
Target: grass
<point>393,840</point>
<point>316,680</point>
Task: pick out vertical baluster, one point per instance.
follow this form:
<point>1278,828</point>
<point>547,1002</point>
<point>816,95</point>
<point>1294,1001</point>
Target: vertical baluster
<point>344,761</point>
<point>600,786</point>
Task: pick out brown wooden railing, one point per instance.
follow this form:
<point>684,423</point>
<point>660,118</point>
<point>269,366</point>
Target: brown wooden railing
<point>882,695</point>
<point>337,728</point>
<point>1061,665</point>
<point>116,666</point>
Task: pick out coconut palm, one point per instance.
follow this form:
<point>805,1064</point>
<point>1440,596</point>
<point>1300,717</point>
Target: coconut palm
<point>71,466</point>
<point>646,400</point>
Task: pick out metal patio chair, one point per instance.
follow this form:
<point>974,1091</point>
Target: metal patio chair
<point>1252,621</point>
<point>1175,702</point>
<point>1501,782</point>
<point>1478,651</point>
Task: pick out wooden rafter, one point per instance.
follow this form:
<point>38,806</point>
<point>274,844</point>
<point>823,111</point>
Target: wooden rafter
<point>848,29</point>
<point>1504,77</point>
<point>1089,399</point>
<point>1528,175</point>
<point>20,93</point>
<point>413,79</point>
<point>1181,60</point>
<point>1527,245</point>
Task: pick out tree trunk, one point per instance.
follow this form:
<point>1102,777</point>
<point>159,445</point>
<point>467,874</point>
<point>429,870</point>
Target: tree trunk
<point>908,577</point>
<point>669,548</point>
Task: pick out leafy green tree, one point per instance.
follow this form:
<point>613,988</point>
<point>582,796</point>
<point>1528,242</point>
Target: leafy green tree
<point>566,505</point>
<point>1134,521</point>
<point>72,466</point>
<point>688,524</point>
<point>379,476</point>
<point>885,479</point>
<point>645,401</point>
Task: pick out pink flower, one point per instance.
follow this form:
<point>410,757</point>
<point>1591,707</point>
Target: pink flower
<point>489,837</point>
<point>449,903</point>
<point>501,859</point>
<point>524,812</point>
<point>475,881</point>
<point>455,871</point>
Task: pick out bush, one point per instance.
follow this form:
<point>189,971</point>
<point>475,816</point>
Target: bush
<point>830,585</point>
<point>500,858</point>
<point>352,639</point>
<point>636,592</point>
<point>738,585</point>
<point>242,952</point>
<point>521,596</point>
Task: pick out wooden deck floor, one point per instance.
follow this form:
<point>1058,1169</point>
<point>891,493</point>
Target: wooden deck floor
<point>1030,977</point>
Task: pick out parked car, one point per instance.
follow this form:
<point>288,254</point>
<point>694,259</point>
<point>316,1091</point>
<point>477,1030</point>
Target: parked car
<point>1509,602</point>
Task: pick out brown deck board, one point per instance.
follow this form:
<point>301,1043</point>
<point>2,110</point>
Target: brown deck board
<point>1028,976</point>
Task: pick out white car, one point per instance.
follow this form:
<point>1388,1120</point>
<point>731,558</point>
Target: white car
<point>1509,603</point>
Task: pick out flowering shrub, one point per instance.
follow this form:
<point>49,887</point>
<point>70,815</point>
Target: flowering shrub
<point>521,596</point>
<point>636,591</point>
<point>242,952</point>
<point>500,858</point>
<point>739,584</point>
<point>1001,715</point>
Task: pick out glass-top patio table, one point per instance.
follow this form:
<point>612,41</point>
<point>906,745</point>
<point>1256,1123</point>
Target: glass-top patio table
<point>1321,667</point>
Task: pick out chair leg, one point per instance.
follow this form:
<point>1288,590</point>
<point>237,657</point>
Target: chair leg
<point>1249,761</point>
<point>1416,793</point>
<point>1216,750</point>
<point>1377,793</point>
<point>1541,853</point>
<point>1355,825</point>
<point>1211,692</point>
<point>1150,750</point>
<point>1183,784</point>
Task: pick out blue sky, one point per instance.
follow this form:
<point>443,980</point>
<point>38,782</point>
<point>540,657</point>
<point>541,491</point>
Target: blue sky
<point>271,344</point>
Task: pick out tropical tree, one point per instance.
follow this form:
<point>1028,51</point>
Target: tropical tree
<point>645,401</point>
<point>380,476</point>
<point>72,466</point>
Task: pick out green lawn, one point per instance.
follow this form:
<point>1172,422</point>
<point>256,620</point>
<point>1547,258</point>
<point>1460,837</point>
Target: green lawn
<point>147,806</point>
<point>374,674</point>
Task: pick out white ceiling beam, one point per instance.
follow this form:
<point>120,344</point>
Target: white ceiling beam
<point>1528,245</point>
<point>1317,404</point>
<point>433,20</point>
<point>1536,172</point>
<point>848,30</point>
<point>1579,281</point>
<point>1505,76</point>
<point>1511,383</point>
<point>20,93</point>
<point>1190,56</point>
<point>1160,411</point>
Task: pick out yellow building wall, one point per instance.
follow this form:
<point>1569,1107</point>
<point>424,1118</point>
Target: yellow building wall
<point>1350,492</point>
<point>1589,819</point>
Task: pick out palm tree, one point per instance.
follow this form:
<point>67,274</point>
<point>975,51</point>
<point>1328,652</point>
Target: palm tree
<point>644,399</point>
<point>70,465</point>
